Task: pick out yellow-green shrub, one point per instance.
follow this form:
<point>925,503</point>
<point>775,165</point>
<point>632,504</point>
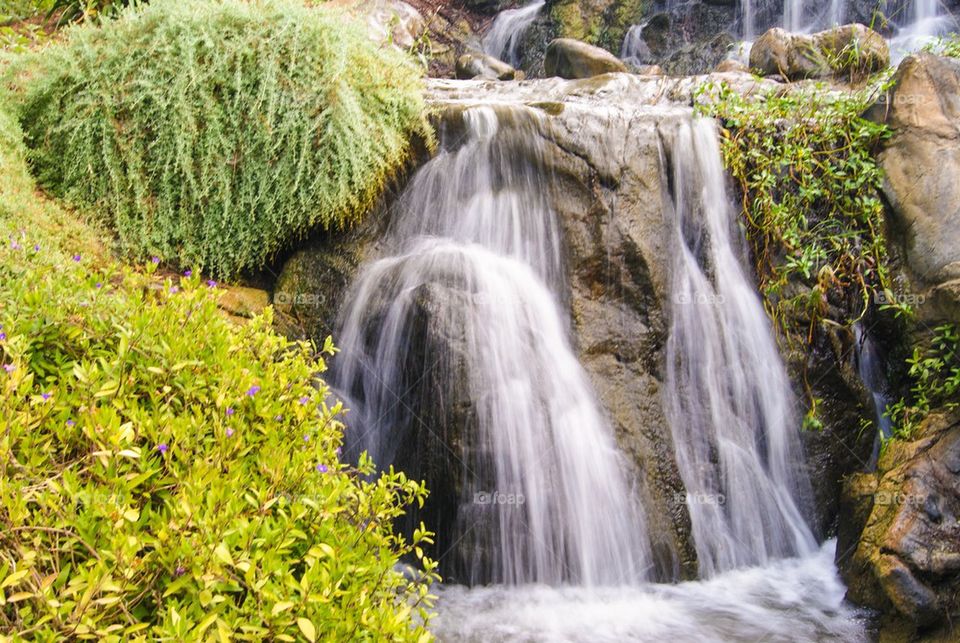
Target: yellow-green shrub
<point>165,474</point>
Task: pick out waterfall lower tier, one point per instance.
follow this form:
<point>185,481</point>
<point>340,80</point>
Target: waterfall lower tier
<point>455,340</point>
<point>731,411</point>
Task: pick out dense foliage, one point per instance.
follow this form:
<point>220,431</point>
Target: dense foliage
<point>934,371</point>
<point>165,474</point>
<point>215,132</point>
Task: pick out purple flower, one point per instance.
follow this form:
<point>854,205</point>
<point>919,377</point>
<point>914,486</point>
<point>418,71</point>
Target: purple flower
<point>180,570</point>
<point>163,447</point>
<point>36,247</point>
<point>230,410</point>
<point>304,400</point>
<point>9,368</point>
<point>46,396</point>
<point>253,390</point>
<point>99,285</point>
<point>174,289</point>
<point>322,468</point>
<point>71,423</point>
<point>338,452</point>
<point>229,432</point>
<point>76,258</point>
<point>3,336</point>
<point>306,438</point>
<point>14,245</point>
<point>187,273</point>
<point>211,283</point>
<point>155,259</point>
<point>278,418</point>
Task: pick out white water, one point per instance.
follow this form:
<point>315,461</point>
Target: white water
<point>918,24</point>
<point>729,403</point>
<point>474,223</point>
<point>796,600</point>
<point>635,50</point>
<point>503,39</point>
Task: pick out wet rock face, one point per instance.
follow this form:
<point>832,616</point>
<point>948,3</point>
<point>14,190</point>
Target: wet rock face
<point>922,162</point>
<point>477,65</point>
<point>571,59</point>
<point>825,54</point>
<point>900,547</point>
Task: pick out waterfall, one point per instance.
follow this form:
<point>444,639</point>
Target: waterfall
<point>635,50</point>
<point>919,23</point>
<point>473,246</point>
<point>871,372</point>
<point>503,39</point>
<point>729,401</point>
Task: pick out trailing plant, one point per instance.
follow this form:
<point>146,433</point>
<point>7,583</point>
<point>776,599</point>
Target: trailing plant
<point>167,475</point>
<point>934,369</point>
<point>809,185</point>
<point>215,133</point>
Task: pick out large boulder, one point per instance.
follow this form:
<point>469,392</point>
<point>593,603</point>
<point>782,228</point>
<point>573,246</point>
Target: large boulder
<point>848,51</point>
<point>922,162</point>
<point>899,546</point>
<point>478,65</point>
<point>569,58</point>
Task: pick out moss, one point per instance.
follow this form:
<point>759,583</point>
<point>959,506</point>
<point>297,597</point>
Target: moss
<point>603,23</point>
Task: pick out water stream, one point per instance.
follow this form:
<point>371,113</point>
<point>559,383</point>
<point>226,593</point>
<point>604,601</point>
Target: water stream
<point>503,38</point>
<point>474,245</point>
<point>456,335</point>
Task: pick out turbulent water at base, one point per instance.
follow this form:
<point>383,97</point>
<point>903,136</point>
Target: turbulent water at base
<point>729,403</point>
<point>796,600</point>
<point>503,39</point>
<point>475,225</point>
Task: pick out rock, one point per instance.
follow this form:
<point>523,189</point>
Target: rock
<point>479,65</point>
<point>388,21</point>
<point>243,302</point>
<point>825,54</point>
<point>568,58</point>
<point>900,549</point>
<point>649,70</point>
<point>730,65</point>
<point>921,162</point>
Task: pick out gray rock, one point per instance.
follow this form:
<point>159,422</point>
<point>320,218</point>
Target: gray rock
<point>569,58</point>
<point>850,50</point>
<point>478,65</point>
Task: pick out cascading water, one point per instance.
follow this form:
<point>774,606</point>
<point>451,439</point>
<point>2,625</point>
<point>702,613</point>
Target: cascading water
<point>729,401</point>
<point>871,372</point>
<point>503,39</point>
<point>474,225</point>
<point>635,50</point>
<point>919,23</point>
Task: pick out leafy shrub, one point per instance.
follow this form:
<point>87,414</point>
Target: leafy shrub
<point>216,132</point>
<point>934,369</point>
<point>804,164</point>
<point>165,474</point>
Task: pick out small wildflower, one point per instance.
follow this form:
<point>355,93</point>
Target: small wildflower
<point>322,468</point>
<point>71,423</point>
<point>174,289</point>
<point>278,418</point>
<point>304,400</point>
<point>306,438</point>
<point>163,447</point>
<point>46,396</point>
<point>155,259</point>
<point>229,432</point>
<point>99,285</point>
<point>14,245</point>
<point>9,368</point>
<point>187,273</point>
<point>253,390</point>
<point>36,247</point>
<point>338,452</point>
<point>211,283</point>
<point>3,336</point>
<point>180,570</point>
<point>76,258</point>
<point>230,410</point>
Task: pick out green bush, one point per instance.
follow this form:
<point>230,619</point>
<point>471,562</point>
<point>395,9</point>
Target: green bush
<point>165,474</point>
<point>215,132</point>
